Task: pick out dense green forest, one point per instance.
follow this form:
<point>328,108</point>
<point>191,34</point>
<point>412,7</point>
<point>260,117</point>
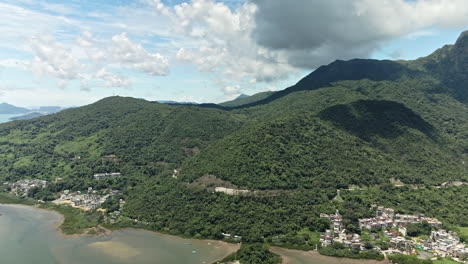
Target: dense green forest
<point>363,124</point>
<point>253,254</point>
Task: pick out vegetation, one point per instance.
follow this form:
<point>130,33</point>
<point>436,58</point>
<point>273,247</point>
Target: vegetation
<point>463,233</point>
<point>338,250</point>
<point>418,229</point>
<point>445,261</point>
<point>253,254</point>
<point>75,221</point>
<point>405,259</point>
<point>6,198</point>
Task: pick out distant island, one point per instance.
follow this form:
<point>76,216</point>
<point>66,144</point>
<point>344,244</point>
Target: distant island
<point>7,109</point>
<point>14,113</point>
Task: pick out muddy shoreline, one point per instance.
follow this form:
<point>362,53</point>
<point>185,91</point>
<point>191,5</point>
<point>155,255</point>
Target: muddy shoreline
<point>102,231</point>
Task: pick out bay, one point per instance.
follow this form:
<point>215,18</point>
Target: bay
<point>6,117</point>
<point>30,235</point>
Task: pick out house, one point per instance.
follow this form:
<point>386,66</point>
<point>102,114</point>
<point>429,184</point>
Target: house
<point>98,176</point>
<point>401,243</point>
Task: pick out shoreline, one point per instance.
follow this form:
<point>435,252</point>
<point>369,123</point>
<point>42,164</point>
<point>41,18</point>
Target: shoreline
<point>234,247</point>
<point>107,232</point>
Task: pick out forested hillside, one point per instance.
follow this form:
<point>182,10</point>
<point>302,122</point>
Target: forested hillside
<point>364,123</point>
<point>134,136</point>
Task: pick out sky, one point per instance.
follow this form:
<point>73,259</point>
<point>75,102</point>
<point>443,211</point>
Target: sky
<point>75,52</point>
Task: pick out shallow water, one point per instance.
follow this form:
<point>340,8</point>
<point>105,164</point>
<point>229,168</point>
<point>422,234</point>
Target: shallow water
<point>303,257</point>
<point>29,235</point>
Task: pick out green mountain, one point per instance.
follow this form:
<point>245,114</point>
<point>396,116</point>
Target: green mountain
<point>11,109</point>
<point>247,99</point>
<point>358,122</point>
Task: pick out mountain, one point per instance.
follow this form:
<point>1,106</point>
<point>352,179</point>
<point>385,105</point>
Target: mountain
<point>244,99</point>
<point>11,109</point>
<point>175,102</point>
<point>242,96</point>
<point>358,123</point>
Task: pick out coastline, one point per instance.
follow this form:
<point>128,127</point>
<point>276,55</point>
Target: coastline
<point>284,253</point>
<point>107,232</point>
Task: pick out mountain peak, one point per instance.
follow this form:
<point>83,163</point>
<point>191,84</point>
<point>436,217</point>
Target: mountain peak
<point>460,54</point>
<point>242,96</point>
<point>461,45</point>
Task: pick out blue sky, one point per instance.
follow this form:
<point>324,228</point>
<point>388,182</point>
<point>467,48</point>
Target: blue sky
<point>72,53</point>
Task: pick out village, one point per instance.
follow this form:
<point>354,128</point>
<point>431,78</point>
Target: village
<point>22,187</point>
<point>391,228</point>
<point>87,200</point>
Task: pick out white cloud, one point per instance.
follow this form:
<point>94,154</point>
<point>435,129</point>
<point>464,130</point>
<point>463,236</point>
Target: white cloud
<point>85,40</point>
<point>159,7</point>
<point>19,24</point>
<point>112,80</point>
<point>313,33</point>
<point>225,43</point>
<point>14,63</point>
<point>54,59</point>
<point>232,90</point>
<point>87,60</point>
<point>135,56</point>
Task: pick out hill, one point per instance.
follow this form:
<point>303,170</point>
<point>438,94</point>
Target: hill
<point>145,138</point>
<point>11,109</point>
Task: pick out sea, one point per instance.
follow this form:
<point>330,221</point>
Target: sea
<point>30,235</point>
<point>5,118</point>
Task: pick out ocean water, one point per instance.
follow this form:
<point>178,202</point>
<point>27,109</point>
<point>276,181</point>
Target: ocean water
<point>29,235</point>
<point>5,118</point>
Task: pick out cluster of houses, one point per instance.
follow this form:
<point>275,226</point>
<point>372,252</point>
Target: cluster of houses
<point>99,176</point>
<point>85,201</point>
<point>386,218</point>
<point>22,187</point>
<point>445,243</point>
<point>336,233</point>
<point>397,241</point>
<point>441,243</point>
